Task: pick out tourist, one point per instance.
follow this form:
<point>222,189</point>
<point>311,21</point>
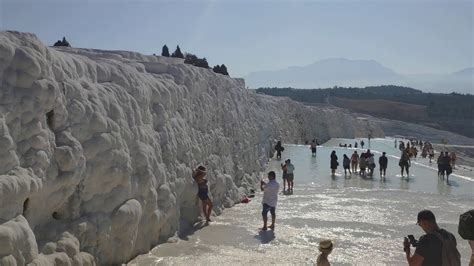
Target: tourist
<point>370,163</point>
<point>453,158</point>
<point>434,246</point>
<point>466,230</point>
<point>355,145</point>
<point>447,166</point>
<point>362,164</point>
<point>383,162</point>
<point>279,149</point>
<point>334,163</point>
<point>431,154</point>
<point>313,148</point>
<point>269,201</point>
<point>354,161</point>
<point>290,168</point>
<point>362,144</point>
<point>405,162</point>
<point>439,161</point>
<point>346,163</point>
<point>284,168</point>
<point>325,247</point>
<point>203,191</point>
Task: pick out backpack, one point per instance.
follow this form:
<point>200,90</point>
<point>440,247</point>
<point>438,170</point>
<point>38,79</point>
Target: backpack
<point>466,225</point>
<point>449,253</point>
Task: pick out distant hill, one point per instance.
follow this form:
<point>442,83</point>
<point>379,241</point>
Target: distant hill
<point>453,112</point>
<point>359,73</point>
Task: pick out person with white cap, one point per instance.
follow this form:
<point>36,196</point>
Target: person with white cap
<point>325,246</point>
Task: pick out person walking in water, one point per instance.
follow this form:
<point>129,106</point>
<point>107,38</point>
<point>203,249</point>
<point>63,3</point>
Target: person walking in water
<point>405,162</point>
<point>325,247</point>
<point>313,147</point>
<point>270,198</point>
<point>346,163</point>
<point>383,162</point>
<point>370,163</point>
<point>354,161</point>
<point>355,145</point>
<point>284,168</point>
<point>290,168</point>
<point>203,191</point>
<point>279,149</point>
<point>453,158</point>
<point>334,163</point>
<point>362,144</point>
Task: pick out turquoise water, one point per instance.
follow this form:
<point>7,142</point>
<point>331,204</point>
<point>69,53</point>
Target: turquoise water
<point>366,218</point>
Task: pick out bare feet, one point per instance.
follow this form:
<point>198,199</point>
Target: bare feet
<point>263,228</point>
<point>272,227</point>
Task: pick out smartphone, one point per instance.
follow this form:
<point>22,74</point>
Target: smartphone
<point>412,240</point>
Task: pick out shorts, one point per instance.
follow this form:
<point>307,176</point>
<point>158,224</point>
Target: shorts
<point>284,176</point>
<point>290,177</point>
<point>267,208</point>
<point>313,150</point>
<point>203,194</point>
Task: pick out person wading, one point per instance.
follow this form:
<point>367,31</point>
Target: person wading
<point>279,149</point>
<point>270,198</point>
<point>354,161</point>
<point>334,163</point>
<point>383,162</point>
<point>405,163</point>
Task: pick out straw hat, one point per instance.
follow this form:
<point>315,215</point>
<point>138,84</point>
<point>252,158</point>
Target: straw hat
<point>325,245</point>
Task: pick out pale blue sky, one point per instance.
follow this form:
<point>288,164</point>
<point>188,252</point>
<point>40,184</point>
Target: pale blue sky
<point>411,37</point>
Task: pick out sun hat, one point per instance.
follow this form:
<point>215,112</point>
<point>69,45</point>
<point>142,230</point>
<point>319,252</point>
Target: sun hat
<point>325,245</point>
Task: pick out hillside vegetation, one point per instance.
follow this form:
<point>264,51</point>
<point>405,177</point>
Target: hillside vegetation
<point>453,112</point>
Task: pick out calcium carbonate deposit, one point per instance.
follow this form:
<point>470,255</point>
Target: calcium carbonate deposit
<point>97,148</point>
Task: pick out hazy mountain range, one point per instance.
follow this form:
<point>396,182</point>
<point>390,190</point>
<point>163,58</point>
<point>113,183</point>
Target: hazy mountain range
<point>359,73</point>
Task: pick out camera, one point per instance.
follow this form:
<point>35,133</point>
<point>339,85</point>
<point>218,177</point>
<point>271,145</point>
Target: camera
<point>412,240</point>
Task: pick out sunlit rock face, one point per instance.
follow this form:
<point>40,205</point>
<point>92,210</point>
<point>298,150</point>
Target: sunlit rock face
<point>97,148</point>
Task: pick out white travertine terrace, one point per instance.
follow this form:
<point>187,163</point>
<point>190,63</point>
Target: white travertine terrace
<point>97,148</point>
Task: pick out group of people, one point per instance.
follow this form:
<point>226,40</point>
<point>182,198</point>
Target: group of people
<point>428,248</point>
<point>365,162</point>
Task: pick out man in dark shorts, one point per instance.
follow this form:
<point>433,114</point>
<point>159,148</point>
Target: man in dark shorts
<point>203,191</point>
<point>269,201</point>
<point>429,248</point>
<point>405,162</point>
<point>383,162</point>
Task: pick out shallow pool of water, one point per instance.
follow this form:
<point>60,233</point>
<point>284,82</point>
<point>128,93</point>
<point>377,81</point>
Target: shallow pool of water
<point>366,218</point>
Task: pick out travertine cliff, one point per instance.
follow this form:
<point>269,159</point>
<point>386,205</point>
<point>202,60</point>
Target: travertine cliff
<point>97,148</point>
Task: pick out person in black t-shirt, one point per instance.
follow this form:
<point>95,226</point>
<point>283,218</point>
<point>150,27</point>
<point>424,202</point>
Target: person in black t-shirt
<point>383,162</point>
<point>429,248</point>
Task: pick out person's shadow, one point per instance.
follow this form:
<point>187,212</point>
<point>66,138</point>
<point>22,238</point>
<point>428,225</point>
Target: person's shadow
<point>185,232</point>
<point>265,237</point>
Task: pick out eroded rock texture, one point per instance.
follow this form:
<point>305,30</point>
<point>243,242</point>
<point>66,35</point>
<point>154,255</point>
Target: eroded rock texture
<point>97,147</point>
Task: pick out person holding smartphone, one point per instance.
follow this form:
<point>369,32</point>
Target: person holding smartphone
<point>436,246</point>
<point>269,201</point>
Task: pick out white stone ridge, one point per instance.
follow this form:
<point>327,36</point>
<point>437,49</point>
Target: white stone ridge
<point>97,148</point>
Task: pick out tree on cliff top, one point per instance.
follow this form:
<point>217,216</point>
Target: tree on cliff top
<point>177,53</point>
<point>222,69</point>
<point>195,61</point>
<point>165,51</point>
<point>62,42</point>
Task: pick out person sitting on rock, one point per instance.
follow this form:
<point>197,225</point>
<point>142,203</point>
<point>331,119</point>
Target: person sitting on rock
<point>203,191</point>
